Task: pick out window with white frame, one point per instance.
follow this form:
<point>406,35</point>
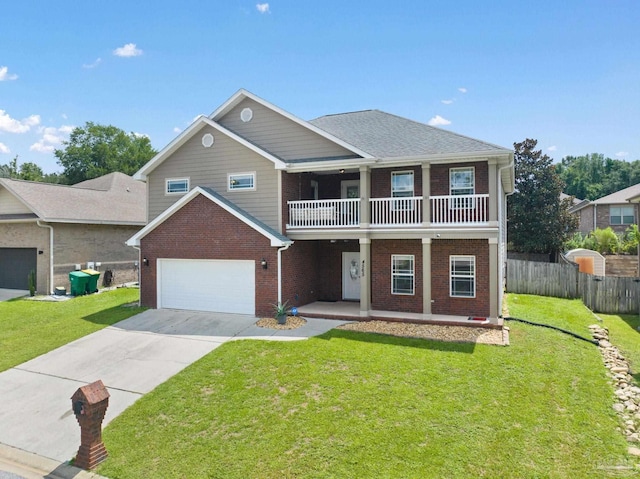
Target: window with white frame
<point>402,187</point>
<point>462,182</point>
<point>621,215</point>
<point>462,276</point>
<point>241,181</point>
<point>402,274</point>
<point>176,186</point>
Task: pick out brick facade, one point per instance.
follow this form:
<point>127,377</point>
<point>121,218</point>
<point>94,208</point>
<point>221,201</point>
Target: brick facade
<point>300,273</point>
<point>330,267</point>
<point>381,181</point>
<point>381,297</point>
<point>440,177</point>
<point>443,303</point>
<point>203,230</point>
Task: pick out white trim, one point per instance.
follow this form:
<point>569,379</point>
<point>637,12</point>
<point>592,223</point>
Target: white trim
<point>452,258</point>
<point>242,94</point>
<point>462,168</point>
<point>247,173</point>
<point>413,274</point>
<point>182,138</point>
<point>135,239</point>
<point>172,193</point>
<point>413,181</point>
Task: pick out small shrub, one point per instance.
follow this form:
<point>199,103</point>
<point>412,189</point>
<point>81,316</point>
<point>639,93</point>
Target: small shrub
<point>607,241</point>
<point>32,283</point>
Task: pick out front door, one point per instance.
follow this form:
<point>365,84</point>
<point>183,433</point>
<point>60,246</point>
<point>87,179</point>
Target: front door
<point>351,276</point>
<point>350,189</point>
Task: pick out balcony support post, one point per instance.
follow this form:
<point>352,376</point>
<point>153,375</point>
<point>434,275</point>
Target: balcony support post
<point>365,277</point>
<point>365,194</point>
<point>426,194</point>
<point>493,191</point>
<point>426,275</point>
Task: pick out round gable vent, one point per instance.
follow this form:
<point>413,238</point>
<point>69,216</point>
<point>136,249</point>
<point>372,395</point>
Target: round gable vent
<point>207,140</point>
<point>246,114</point>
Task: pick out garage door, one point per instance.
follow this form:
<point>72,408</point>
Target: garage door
<point>15,265</point>
<point>207,285</point>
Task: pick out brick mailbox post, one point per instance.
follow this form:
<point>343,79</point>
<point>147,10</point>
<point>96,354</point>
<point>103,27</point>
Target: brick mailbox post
<point>89,404</point>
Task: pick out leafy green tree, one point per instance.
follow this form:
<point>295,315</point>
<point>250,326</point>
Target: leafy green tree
<point>538,220</point>
<point>95,150</point>
<point>31,172</point>
<point>10,170</point>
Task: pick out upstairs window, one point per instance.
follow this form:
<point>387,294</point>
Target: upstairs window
<point>462,276</point>
<point>401,184</point>
<point>241,181</point>
<point>462,182</point>
<point>621,215</point>
<point>176,186</point>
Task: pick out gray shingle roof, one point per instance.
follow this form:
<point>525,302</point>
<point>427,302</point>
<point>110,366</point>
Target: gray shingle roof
<point>114,198</point>
<point>620,196</point>
<point>384,135</point>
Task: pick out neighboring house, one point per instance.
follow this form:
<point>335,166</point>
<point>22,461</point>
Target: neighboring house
<point>52,228</point>
<point>252,205</point>
<point>618,210</point>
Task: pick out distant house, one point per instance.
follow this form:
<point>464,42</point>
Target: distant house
<point>52,228</point>
<point>618,210</point>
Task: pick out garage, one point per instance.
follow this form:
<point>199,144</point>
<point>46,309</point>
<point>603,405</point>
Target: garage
<point>226,286</point>
<point>15,266</point>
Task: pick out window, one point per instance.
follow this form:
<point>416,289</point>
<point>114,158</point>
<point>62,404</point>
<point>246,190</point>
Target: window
<point>242,181</point>
<point>621,215</point>
<point>463,276</point>
<point>176,186</point>
<point>462,182</point>
<point>402,274</point>
<point>401,184</point>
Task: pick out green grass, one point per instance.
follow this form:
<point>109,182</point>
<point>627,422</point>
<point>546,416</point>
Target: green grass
<point>350,404</point>
<point>30,328</point>
<point>625,335</point>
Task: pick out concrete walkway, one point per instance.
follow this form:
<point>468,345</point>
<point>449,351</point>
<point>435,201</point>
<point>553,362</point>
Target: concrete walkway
<point>131,358</point>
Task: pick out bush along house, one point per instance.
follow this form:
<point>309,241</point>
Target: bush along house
<point>362,215</point>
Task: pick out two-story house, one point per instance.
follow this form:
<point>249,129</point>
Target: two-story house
<point>384,216</point>
<point>619,210</point>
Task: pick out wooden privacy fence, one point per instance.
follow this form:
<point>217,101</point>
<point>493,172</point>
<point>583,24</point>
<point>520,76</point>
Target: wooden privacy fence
<point>602,294</point>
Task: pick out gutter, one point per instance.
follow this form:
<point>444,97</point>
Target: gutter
<point>50,253</point>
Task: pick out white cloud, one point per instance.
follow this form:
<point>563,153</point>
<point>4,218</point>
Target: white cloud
<point>4,74</point>
<point>97,62</point>
<point>4,148</point>
<point>263,7</point>
<point>11,125</point>
<point>128,50</point>
<point>447,102</point>
<point>552,148</point>
<point>141,135</point>
<point>176,129</point>
<point>438,121</point>
<point>462,90</point>
<point>52,137</point>
<point>622,154</point>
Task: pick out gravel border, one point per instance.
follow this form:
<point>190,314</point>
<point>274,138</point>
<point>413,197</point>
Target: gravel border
<point>293,322</point>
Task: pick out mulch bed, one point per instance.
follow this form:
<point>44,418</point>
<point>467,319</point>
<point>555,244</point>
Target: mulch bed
<point>292,322</point>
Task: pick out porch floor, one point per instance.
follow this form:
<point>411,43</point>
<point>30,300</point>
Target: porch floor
<point>350,310</point>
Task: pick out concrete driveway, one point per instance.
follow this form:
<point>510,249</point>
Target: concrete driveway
<point>131,358</point>
<point>7,294</point>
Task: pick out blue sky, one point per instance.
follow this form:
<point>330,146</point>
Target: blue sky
<point>566,73</point>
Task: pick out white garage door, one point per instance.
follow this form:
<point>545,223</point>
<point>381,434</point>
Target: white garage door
<point>207,285</point>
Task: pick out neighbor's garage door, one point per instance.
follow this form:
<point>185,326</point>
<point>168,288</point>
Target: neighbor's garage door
<point>15,265</point>
<point>207,285</point>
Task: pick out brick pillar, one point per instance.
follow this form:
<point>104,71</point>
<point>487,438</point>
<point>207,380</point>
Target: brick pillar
<point>90,404</point>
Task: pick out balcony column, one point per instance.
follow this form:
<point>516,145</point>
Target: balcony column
<point>426,194</point>
<point>365,276</point>
<point>494,279</point>
<point>493,191</point>
<point>426,276</point>
<point>365,195</point>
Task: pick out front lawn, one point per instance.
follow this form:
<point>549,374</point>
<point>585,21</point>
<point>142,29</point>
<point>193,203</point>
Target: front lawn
<point>360,405</point>
<point>30,328</point>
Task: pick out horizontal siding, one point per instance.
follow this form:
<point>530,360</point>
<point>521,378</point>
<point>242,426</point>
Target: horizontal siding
<point>10,205</point>
<point>279,135</point>
<point>209,167</point>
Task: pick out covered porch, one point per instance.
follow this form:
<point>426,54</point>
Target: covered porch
<point>350,310</point>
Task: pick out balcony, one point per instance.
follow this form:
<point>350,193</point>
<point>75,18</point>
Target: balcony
<point>463,210</point>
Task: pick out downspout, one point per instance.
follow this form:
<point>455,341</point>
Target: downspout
<point>50,253</point>
<point>280,250</point>
<point>502,234</point>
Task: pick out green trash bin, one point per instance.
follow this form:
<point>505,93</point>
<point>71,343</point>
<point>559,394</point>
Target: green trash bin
<point>78,281</point>
<point>92,282</point>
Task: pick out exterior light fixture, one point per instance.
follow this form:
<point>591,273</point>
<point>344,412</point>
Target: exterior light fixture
<point>341,170</point>
<point>145,261</point>
<point>264,264</point>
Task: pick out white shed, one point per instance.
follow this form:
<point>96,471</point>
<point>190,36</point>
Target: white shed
<point>589,261</point>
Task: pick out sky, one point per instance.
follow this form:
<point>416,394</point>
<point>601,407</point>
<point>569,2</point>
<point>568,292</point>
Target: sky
<point>566,73</point>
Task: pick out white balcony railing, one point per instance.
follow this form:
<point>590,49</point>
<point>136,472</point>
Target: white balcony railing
<point>324,213</point>
<point>396,211</point>
<point>459,209</point>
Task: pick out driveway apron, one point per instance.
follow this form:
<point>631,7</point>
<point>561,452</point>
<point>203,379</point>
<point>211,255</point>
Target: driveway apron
<point>131,358</point>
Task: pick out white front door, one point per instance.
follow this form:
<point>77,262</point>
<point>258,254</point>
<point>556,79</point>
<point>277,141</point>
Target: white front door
<point>351,276</point>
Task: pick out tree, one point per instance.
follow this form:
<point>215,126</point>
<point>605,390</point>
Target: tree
<point>538,220</point>
<point>31,172</point>
<point>95,150</point>
<point>10,170</point>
